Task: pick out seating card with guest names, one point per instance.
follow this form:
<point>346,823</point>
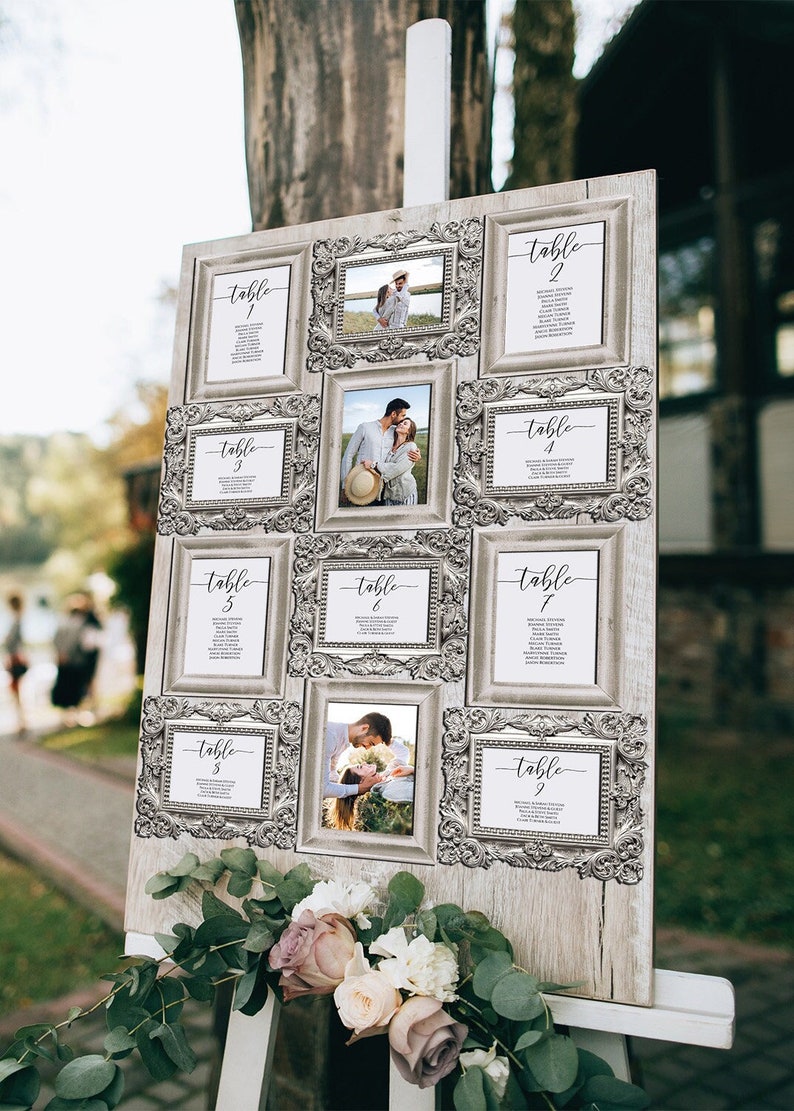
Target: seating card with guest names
<point>409,487</point>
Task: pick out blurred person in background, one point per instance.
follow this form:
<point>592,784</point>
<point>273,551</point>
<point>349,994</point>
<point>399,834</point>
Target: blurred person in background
<point>77,642</point>
<point>16,661</point>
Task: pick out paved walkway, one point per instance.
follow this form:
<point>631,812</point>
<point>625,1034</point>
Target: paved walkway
<point>74,823</point>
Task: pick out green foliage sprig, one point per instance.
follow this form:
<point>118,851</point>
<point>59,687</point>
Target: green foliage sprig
<point>495,1031</point>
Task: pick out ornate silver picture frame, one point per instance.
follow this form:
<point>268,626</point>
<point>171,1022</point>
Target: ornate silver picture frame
<point>222,770</point>
<point>259,466</point>
<point>615,744</point>
<point>248,333</point>
<point>622,469</point>
<point>228,616</point>
<point>330,700</point>
<point>350,271</point>
<point>389,381</point>
<point>426,574</point>
<point>547,617</point>
<point>556,284</point>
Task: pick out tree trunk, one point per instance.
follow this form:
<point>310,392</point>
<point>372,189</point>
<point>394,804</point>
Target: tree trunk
<point>544,91</point>
<point>324,89</point>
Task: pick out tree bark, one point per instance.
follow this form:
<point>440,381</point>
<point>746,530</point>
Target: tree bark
<point>324,88</point>
<point>544,91</point>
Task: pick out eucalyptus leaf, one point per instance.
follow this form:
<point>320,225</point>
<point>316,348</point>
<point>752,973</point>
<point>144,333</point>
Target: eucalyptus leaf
<point>516,996</point>
<point>609,1092</point>
<point>73,1013</point>
<point>259,938</point>
<point>239,884</point>
<point>212,906</point>
<point>19,1084</point>
<point>220,929</point>
<point>269,875</point>
<point>469,1092</point>
<point>405,894</point>
<point>114,1091</point>
<point>258,996</point>
<point>84,1077</point>
<point>244,989</point>
<point>200,988</point>
<point>554,1062</point>
<point>174,1041</point>
<point>158,1064</point>
<point>427,924</point>
<point>210,871</point>
<point>118,1040</point>
<point>185,866</point>
<point>531,1037</point>
<point>296,885</point>
<point>589,1065</point>
<point>489,972</point>
<point>240,860</point>
<point>162,884</point>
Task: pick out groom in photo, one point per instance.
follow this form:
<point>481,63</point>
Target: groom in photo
<point>396,308</point>
<point>370,730</point>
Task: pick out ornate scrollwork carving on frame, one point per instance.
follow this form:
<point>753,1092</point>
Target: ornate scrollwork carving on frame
<point>294,516</point>
<point>632,500</point>
<point>278,828</point>
<point>620,861</point>
<point>450,547</point>
<point>460,329</point>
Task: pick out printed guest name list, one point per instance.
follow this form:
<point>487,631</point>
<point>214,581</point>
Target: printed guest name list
<point>227,616</point>
<point>555,288</point>
<point>546,617</point>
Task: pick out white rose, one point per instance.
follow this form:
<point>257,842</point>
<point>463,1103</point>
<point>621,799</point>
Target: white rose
<point>497,1068</point>
<point>365,1000</point>
<point>330,897</point>
<point>421,967</point>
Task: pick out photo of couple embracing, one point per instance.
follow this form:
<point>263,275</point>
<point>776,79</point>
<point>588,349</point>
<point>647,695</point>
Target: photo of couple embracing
<point>384,461</point>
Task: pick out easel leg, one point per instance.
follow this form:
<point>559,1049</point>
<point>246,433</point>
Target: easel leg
<point>407,1097</point>
<point>248,1058</point>
<point>611,1047</point>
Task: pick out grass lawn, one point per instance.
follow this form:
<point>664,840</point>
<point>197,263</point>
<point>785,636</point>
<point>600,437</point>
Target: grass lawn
<point>48,945</point>
<point>110,738</point>
<point>725,837</point>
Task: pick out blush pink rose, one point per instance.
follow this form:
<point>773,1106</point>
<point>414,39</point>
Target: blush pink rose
<point>425,1042</point>
<point>312,954</point>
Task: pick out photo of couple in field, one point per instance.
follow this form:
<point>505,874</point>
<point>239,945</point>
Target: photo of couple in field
<point>384,295</point>
<point>369,761</point>
<point>385,444</point>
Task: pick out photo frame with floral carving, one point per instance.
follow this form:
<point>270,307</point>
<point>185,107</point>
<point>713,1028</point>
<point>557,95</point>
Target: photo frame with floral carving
<point>228,615</point>
<point>215,769</point>
<point>384,605</point>
<point>238,465</point>
<point>614,453</point>
<point>325,699</point>
<point>247,336</point>
<point>555,281</point>
<point>436,379</point>
<point>546,617</point>
<point>347,274</point>
<point>600,830</point>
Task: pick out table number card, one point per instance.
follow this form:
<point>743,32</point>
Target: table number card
<point>227,616</point>
<point>383,604</point>
<point>548,790</point>
<point>546,618</point>
<point>217,769</point>
<point>227,465</point>
<point>555,288</point>
<point>249,324</point>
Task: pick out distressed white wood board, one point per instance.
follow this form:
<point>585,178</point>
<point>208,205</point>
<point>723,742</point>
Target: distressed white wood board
<point>564,928</point>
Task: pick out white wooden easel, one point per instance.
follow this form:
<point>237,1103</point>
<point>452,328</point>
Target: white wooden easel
<point>688,1009</point>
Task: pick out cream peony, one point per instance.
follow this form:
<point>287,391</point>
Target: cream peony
<point>421,967</point>
<point>330,897</point>
<point>497,1068</point>
<point>365,999</point>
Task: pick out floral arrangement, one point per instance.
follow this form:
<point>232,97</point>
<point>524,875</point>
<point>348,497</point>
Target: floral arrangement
<point>439,982</point>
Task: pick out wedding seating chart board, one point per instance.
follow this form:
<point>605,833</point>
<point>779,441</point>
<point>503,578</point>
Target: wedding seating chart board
<point>408,496</point>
